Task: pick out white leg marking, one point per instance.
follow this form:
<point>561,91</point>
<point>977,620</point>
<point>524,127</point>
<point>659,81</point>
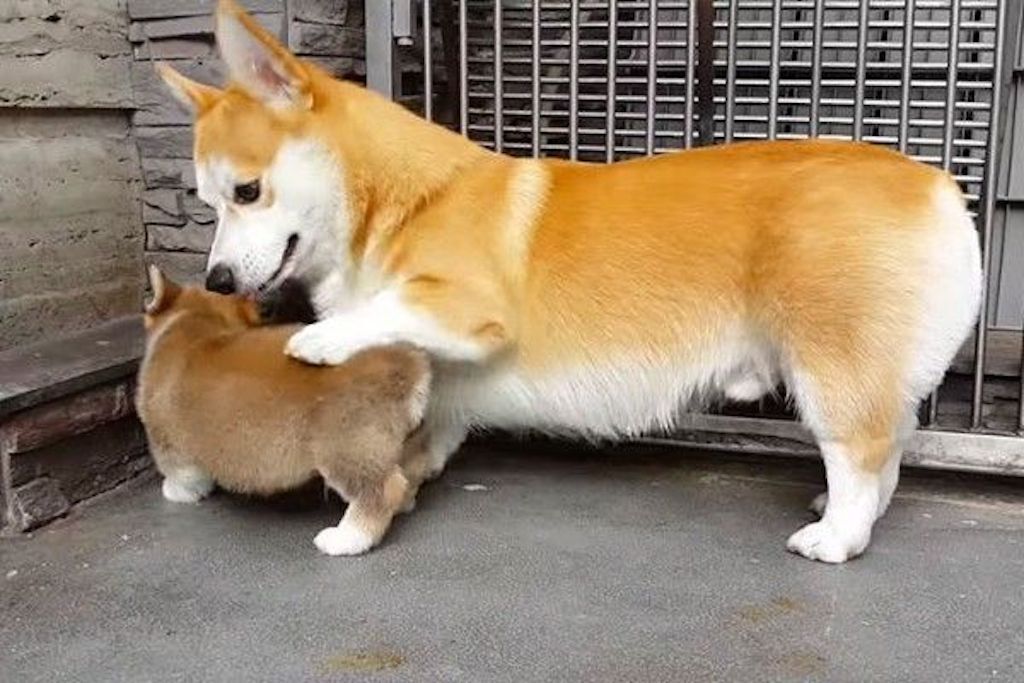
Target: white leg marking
<point>853,498</point>
<point>383,320</point>
<point>345,539</point>
<point>889,476</point>
<point>187,485</point>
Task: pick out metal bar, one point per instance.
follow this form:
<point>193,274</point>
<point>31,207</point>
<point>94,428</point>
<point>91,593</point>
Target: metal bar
<point>609,134</point>
<point>773,77</point>
<point>908,54</point>
<point>401,21</point>
<point>574,78</point>
<point>428,63</point>
<point>1020,395</point>
<point>6,448</point>
<point>499,89</point>
<point>952,61</point>
<point>819,28</point>
<point>535,81</point>
<point>862,59</point>
<point>730,73</point>
<point>947,148</point>
<point>463,69</point>
<point>700,71</point>
<point>380,57</point>
<point>989,205</point>
<point>652,72</point>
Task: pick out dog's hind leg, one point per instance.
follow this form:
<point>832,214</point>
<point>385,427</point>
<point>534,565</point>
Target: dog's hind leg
<point>888,476</point>
<point>371,507</point>
<point>859,419</point>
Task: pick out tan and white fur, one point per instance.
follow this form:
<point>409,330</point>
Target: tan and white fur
<point>222,403</point>
<point>596,300</point>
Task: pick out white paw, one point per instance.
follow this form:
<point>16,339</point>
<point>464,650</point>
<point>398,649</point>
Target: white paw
<point>320,344</point>
<point>343,540</point>
<point>187,490</point>
<point>819,504</point>
<point>820,541</point>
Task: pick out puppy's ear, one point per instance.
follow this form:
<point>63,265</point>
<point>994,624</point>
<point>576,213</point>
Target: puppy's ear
<point>165,291</point>
<point>259,62</point>
<point>195,96</point>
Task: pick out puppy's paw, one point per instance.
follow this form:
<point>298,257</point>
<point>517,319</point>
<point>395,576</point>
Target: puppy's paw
<point>321,344</point>
<point>820,541</point>
<point>344,539</point>
<point>189,490</point>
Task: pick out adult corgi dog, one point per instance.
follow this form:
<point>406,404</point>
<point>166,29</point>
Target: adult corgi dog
<point>222,403</point>
<point>597,300</point>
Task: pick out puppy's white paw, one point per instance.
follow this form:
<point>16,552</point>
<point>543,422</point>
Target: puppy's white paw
<point>819,504</point>
<point>820,541</point>
<point>321,344</point>
<point>344,539</point>
<point>187,490</point>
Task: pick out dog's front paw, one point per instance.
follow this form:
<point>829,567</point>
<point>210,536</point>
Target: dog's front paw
<point>344,539</point>
<point>320,344</point>
<point>822,542</point>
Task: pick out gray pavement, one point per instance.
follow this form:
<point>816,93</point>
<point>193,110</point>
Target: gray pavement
<point>527,562</point>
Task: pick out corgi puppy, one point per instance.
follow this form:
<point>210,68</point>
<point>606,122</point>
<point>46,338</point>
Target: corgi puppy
<point>222,403</point>
<point>590,299</point>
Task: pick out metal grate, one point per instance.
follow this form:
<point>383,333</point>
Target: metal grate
<point>609,80</point>
<point>562,63</point>
<point>603,80</point>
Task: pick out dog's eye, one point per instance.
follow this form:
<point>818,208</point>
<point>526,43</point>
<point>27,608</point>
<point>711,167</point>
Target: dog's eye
<point>247,193</point>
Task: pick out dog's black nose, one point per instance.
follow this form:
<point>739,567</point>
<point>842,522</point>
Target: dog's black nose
<point>220,279</point>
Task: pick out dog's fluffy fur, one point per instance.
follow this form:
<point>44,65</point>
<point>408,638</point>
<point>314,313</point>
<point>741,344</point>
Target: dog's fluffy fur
<point>596,299</point>
<point>221,402</point>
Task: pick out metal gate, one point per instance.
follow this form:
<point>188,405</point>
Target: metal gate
<point>604,80</point>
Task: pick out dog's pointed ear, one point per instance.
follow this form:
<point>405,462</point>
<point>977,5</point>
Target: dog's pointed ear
<point>259,62</point>
<point>195,96</point>
<point>165,291</point>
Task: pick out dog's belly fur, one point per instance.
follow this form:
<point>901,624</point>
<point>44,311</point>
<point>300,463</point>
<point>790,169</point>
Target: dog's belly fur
<point>620,397</point>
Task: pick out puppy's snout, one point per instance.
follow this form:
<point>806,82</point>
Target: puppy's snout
<point>220,279</point>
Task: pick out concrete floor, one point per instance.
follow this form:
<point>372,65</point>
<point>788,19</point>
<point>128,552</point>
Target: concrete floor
<point>527,563</point>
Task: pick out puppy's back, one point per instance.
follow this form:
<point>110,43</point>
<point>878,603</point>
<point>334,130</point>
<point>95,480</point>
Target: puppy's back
<point>243,380</point>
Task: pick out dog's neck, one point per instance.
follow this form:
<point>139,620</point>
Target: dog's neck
<point>395,161</point>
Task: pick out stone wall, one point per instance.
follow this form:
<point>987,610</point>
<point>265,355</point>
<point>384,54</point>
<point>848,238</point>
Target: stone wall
<point>179,228</point>
<point>70,228</point>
